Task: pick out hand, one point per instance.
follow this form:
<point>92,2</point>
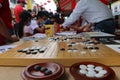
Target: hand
<point>86,29</point>
<point>64,28</point>
<point>14,39</point>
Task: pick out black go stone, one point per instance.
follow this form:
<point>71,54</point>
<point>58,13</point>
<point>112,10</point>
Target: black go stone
<point>48,72</point>
<point>90,47</point>
<point>85,48</point>
<point>37,67</point>
<point>34,52</point>
<point>70,45</point>
<point>96,48</point>
<point>19,50</point>
<point>72,42</point>
<point>28,52</point>
<point>36,40</point>
<point>41,51</point>
<point>43,69</point>
<point>62,49</point>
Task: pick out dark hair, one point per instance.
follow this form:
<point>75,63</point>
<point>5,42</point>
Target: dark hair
<point>46,13</point>
<point>24,16</point>
<point>58,9</point>
<point>29,10</point>
<point>42,13</point>
<point>21,1</point>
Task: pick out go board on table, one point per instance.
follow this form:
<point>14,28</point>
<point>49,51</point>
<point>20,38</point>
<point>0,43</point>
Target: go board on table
<point>64,51</point>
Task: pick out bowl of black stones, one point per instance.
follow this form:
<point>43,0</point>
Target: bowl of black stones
<point>43,71</point>
<point>91,71</point>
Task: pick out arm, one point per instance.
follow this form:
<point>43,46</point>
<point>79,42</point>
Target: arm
<point>35,27</point>
<point>77,12</point>
<point>40,29</point>
<point>4,32</point>
<point>85,28</point>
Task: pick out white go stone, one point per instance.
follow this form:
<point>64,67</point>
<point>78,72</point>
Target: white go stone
<point>102,72</point>
<point>69,50</point>
<point>93,50</point>
<point>83,72</point>
<point>75,50</point>
<point>90,69</point>
<point>98,68</point>
<point>91,44</point>
<point>92,72</point>
<point>90,75</point>
<point>77,43</point>
<point>83,52</point>
<point>90,65</point>
<point>83,67</point>
<point>99,75</point>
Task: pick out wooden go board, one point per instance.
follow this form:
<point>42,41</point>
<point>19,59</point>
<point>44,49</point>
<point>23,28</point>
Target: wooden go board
<point>54,53</point>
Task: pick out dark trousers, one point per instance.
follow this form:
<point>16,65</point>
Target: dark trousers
<point>107,26</point>
<point>16,25</point>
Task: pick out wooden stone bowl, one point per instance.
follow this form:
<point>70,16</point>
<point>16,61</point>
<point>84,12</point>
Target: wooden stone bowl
<point>30,73</point>
<point>74,70</point>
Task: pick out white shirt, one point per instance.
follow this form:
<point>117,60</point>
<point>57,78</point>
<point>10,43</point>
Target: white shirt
<point>27,29</point>
<point>91,10</point>
<point>34,24</point>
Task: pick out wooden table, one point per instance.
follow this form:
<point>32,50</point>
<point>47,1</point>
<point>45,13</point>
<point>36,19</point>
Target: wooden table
<point>13,73</point>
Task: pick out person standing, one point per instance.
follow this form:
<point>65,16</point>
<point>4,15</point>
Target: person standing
<point>5,23</point>
<point>4,34</point>
<point>95,12</point>
<point>18,9</point>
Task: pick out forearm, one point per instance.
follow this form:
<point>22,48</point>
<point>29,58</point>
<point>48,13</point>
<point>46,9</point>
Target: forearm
<point>40,30</point>
<point>4,31</point>
<point>79,9</point>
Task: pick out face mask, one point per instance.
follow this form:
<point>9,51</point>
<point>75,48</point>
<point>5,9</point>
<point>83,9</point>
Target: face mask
<point>43,22</point>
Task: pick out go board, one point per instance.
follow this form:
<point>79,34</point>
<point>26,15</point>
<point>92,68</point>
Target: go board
<point>61,52</point>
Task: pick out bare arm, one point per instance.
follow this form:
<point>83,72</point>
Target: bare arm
<point>83,28</point>
<point>40,29</point>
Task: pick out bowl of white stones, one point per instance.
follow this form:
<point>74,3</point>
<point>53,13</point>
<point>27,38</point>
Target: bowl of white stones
<point>91,71</point>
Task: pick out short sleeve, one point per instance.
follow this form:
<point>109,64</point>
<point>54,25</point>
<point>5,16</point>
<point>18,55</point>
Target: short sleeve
<point>33,25</point>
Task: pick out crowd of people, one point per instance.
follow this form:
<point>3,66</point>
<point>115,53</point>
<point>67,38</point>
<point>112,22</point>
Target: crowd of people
<point>28,22</point>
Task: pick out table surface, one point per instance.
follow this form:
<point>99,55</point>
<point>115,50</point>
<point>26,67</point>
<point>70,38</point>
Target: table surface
<point>14,73</point>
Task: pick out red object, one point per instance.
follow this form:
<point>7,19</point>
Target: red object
<point>6,16</point>
<point>104,1</point>
<point>73,4</point>
<point>34,7</point>
<point>64,3</point>
<point>48,1</point>
<point>45,3</point>
<point>17,10</point>
<point>62,9</point>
